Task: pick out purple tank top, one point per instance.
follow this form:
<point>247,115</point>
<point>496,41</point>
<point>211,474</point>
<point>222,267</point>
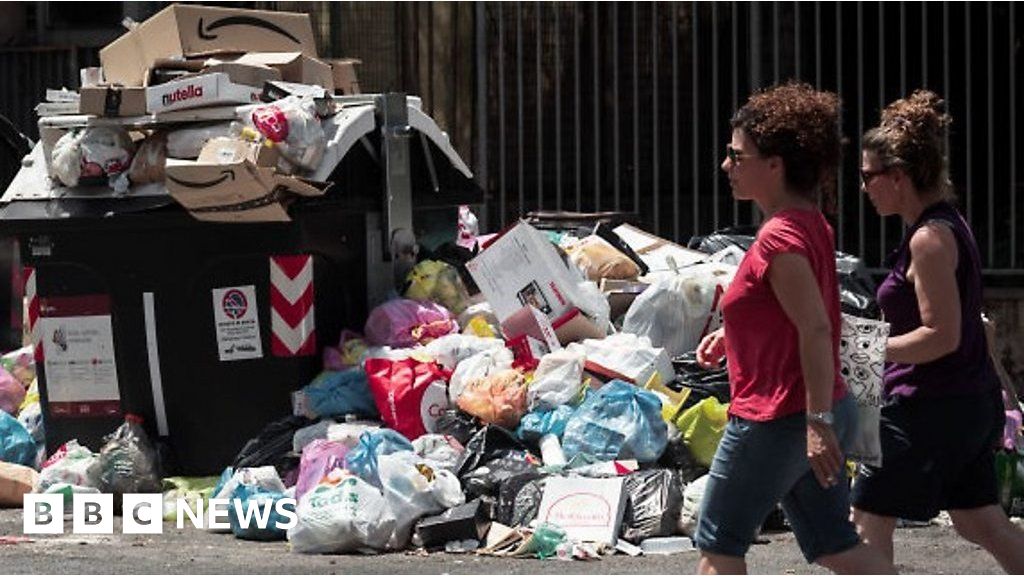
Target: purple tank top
<point>967,370</point>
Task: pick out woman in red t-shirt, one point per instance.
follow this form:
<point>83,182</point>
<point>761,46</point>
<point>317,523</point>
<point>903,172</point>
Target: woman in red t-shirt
<point>789,417</point>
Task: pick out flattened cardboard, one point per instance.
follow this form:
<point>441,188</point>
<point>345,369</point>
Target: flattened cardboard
<point>112,101</point>
<point>294,67</point>
<point>199,91</point>
<point>246,74</point>
<point>189,30</point>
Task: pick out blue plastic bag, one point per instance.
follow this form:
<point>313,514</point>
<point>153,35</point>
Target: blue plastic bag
<point>340,393</point>
<point>16,444</point>
<point>618,421</point>
<point>257,502</point>
<point>536,424</point>
<point>362,460</point>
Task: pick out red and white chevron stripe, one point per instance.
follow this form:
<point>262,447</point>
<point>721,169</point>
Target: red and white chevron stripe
<point>292,324</point>
<point>32,302</point>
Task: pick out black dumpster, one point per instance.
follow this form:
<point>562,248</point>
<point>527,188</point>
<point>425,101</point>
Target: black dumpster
<point>193,325</point>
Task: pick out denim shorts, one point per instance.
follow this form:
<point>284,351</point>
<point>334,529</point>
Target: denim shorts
<point>759,464</point>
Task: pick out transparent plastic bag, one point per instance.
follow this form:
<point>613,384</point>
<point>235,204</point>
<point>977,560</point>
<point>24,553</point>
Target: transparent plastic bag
<point>292,125</point>
<point>480,365</point>
<point>405,323</point>
<point>72,463</point>
<point>91,155</point>
<point>442,452</point>
<point>557,380</point>
<point>319,458</point>
<point>496,399</point>
<point>437,282</point>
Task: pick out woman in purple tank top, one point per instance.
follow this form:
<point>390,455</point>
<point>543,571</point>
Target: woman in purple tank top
<point>944,414</point>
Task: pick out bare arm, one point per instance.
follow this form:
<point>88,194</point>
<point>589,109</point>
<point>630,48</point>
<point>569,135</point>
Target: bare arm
<point>933,262</point>
<point>797,291</point>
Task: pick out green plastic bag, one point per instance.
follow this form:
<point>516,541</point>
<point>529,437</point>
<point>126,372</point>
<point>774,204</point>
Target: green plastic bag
<point>702,426</point>
<point>192,490</point>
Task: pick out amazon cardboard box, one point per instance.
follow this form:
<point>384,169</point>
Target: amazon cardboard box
<point>345,80</point>
<point>293,67</point>
<point>191,30</point>
<point>234,181</point>
<point>107,100</point>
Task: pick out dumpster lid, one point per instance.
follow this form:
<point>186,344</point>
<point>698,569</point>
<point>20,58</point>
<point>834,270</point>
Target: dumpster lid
<point>355,120</point>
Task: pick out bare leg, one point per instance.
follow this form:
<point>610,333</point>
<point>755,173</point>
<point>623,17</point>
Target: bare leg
<point>989,528</point>
<point>720,564</point>
<point>861,559</point>
<point>876,531</point>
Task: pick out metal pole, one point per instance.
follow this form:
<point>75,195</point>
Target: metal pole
<point>519,105</point>
<point>675,120</point>
<point>480,153</point>
<point>636,112</point>
<point>502,182</point>
<point>577,109</point>
<point>597,111</point>
<point>694,143</point>
<point>654,122</point>
<point>558,107</point>
<point>540,112</point>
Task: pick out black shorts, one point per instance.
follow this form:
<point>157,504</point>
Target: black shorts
<point>937,454</point>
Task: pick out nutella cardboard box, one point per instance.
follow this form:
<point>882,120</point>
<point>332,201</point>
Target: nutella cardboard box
<point>199,91</point>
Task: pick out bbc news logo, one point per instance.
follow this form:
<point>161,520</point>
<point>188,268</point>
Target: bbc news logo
<point>143,514</point>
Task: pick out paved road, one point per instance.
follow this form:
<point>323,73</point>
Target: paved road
<point>932,549</point>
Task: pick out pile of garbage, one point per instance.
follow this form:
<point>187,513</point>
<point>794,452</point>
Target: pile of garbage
<point>232,125</point>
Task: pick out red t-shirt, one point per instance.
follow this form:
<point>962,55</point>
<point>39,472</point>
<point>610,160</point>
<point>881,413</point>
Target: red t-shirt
<point>762,344</point>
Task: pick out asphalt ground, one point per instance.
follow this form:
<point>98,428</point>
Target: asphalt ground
<point>932,549</point>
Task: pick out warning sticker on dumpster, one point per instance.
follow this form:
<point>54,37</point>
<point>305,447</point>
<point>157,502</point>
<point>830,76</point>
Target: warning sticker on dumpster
<point>78,351</point>
<point>237,322</point>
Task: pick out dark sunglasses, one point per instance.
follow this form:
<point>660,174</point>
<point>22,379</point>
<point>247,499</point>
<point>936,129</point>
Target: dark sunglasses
<point>867,175</point>
<point>735,155</point>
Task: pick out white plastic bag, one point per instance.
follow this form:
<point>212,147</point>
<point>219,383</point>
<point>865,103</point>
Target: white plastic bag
<point>592,302</point>
<point>678,310</point>
<point>72,463</point>
<point>342,514</point>
<point>441,451</point>
<point>862,362</point>
<point>626,356</point>
<point>97,152</point>
<point>412,490</point>
<point>291,123</point>
<point>480,365</point>
<point>452,349</point>
<point>557,380</point>
<point>693,495</point>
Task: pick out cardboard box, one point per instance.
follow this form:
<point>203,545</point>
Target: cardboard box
<point>588,509</point>
<point>106,100</point>
<point>345,80</point>
<point>232,151</point>
<point>621,294</point>
<point>531,322</point>
<point>294,67</point>
<point>246,74</point>
<point>241,191</point>
<point>190,30</point>
<point>199,91</point>
<point>15,481</point>
<point>522,268</point>
<point>658,253</point>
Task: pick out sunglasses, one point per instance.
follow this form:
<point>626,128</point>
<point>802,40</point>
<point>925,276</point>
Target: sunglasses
<point>867,175</point>
<point>735,155</point>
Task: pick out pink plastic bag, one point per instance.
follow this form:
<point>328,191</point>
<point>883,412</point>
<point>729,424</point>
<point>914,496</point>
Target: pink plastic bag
<point>12,393</point>
<point>319,457</point>
<point>402,323</point>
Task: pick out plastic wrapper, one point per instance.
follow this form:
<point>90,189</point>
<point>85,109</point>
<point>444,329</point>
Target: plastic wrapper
<point>12,393</point>
<point>16,444</point>
<point>292,125</point>
<point>405,323</point>
<point>480,365</point>
<point>678,310</point>
<point>496,399</point>
<point>342,514</point>
<point>557,380</point>
<point>440,451</point>
<point>319,457</point>
<point>431,280</point>
<point>617,421</point>
<point>598,259</point>
<point>338,394</point>
<point>412,490</point>
<point>91,155</point>
<point>150,160</point>
<point>72,463</point>
<point>127,462</point>
<point>654,501</point>
<point>362,460</point>
<point>451,350</point>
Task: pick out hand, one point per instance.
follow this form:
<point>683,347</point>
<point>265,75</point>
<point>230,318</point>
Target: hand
<point>824,454</point>
<point>711,350</point>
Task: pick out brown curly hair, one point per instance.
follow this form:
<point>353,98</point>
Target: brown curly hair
<point>912,136</point>
<point>801,125</point>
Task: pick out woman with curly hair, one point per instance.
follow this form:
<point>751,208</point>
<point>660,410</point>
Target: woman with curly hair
<point>944,413</point>
<point>790,416</point>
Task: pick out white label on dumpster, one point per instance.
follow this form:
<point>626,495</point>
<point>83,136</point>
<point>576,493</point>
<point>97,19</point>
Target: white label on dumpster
<point>238,323</point>
<point>79,359</point>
